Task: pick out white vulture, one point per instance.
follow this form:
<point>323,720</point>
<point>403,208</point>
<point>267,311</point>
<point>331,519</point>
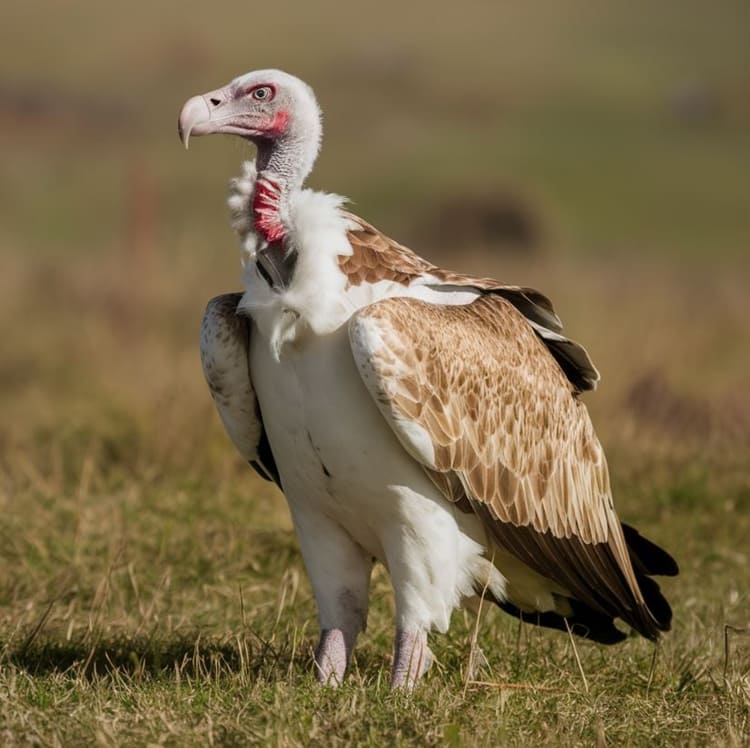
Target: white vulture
<point>411,415</point>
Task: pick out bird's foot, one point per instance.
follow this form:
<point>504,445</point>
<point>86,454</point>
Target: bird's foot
<point>411,659</point>
<point>331,657</point>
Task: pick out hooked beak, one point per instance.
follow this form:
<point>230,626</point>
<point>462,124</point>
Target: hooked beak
<point>194,117</point>
<point>213,112</point>
<point>220,111</point>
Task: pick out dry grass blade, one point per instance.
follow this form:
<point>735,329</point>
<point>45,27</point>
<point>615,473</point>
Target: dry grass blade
<point>652,669</point>
<point>504,685</point>
<point>577,658</point>
<point>728,629</point>
<point>471,664</point>
<point>37,627</point>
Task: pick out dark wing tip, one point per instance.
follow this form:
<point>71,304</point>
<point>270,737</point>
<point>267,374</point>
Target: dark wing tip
<point>658,608</point>
<point>533,304</point>
<point>574,360</point>
<point>647,557</point>
<point>585,621</point>
<point>265,465</point>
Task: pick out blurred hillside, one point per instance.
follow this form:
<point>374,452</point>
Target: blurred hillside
<point>600,152</point>
<point>623,126</point>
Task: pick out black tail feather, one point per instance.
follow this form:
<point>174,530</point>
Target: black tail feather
<point>647,557</point>
<point>585,622</point>
<point>655,602</point>
<point>649,618</point>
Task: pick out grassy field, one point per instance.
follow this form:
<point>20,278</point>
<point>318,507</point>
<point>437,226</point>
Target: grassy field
<point>151,590</point>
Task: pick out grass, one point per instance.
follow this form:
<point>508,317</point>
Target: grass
<point>201,632</point>
<point>151,589</point>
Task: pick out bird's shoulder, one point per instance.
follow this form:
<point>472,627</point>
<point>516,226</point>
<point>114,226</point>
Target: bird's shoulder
<point>376,257</point>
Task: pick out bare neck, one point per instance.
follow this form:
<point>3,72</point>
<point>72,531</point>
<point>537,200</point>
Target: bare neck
<point>282,169</point>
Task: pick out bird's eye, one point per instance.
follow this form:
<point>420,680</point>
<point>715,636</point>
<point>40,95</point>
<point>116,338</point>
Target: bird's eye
<point>262,93</point>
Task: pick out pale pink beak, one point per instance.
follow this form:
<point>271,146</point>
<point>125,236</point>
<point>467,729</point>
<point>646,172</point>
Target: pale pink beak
<point>220,111</point>
<point>194,114</point>
<point>208,113</point>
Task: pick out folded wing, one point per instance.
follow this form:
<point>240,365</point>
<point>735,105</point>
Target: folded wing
<point>225,349</point>
<point>474,395</point>
<point>377,257</point>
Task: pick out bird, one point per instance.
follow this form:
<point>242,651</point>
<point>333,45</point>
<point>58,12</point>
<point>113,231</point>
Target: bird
<point>412,416</point>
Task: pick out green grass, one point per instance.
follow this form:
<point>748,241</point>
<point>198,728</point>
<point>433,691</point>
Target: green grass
<point>170,611</point>
<point>151,589</point>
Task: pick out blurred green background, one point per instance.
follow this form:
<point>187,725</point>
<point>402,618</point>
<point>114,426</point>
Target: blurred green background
<point>625,125</point>
<point>598,151</point>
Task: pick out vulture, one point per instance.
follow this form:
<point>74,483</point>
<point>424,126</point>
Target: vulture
<point>412,416</point>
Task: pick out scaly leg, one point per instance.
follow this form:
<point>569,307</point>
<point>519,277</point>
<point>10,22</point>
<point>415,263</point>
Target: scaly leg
<point>411,658</point>
<point>339,572</point>
<point>333,653</point>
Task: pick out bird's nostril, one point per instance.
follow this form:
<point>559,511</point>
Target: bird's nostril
<point>215,102</point>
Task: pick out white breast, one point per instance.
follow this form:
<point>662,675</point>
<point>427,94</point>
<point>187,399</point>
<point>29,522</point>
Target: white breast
<point>319,299</point>
<point>337,456</point>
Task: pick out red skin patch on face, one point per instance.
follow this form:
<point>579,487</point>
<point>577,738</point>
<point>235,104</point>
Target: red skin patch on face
<point>279,123</point>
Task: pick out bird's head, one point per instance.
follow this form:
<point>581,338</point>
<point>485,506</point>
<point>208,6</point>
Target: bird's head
<point>270,108</point>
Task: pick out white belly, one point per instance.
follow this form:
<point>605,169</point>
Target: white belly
<point>333,449</point>
<point>339,459</point>
<point>337,456</point>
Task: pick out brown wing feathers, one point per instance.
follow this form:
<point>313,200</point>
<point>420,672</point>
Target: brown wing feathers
<point>376,257</point>
<point>503,419</point>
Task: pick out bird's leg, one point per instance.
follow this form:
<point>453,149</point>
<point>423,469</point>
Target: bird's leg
<point>332,655</point>
<point>340,624</point>
<point>423,577</point>
<point>339,572</point>
<point>411,658</point>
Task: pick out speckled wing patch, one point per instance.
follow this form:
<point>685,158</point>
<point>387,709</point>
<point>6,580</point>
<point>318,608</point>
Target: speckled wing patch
<point>376,257</point>
<point>225,347</point>
<point>473,394</point>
